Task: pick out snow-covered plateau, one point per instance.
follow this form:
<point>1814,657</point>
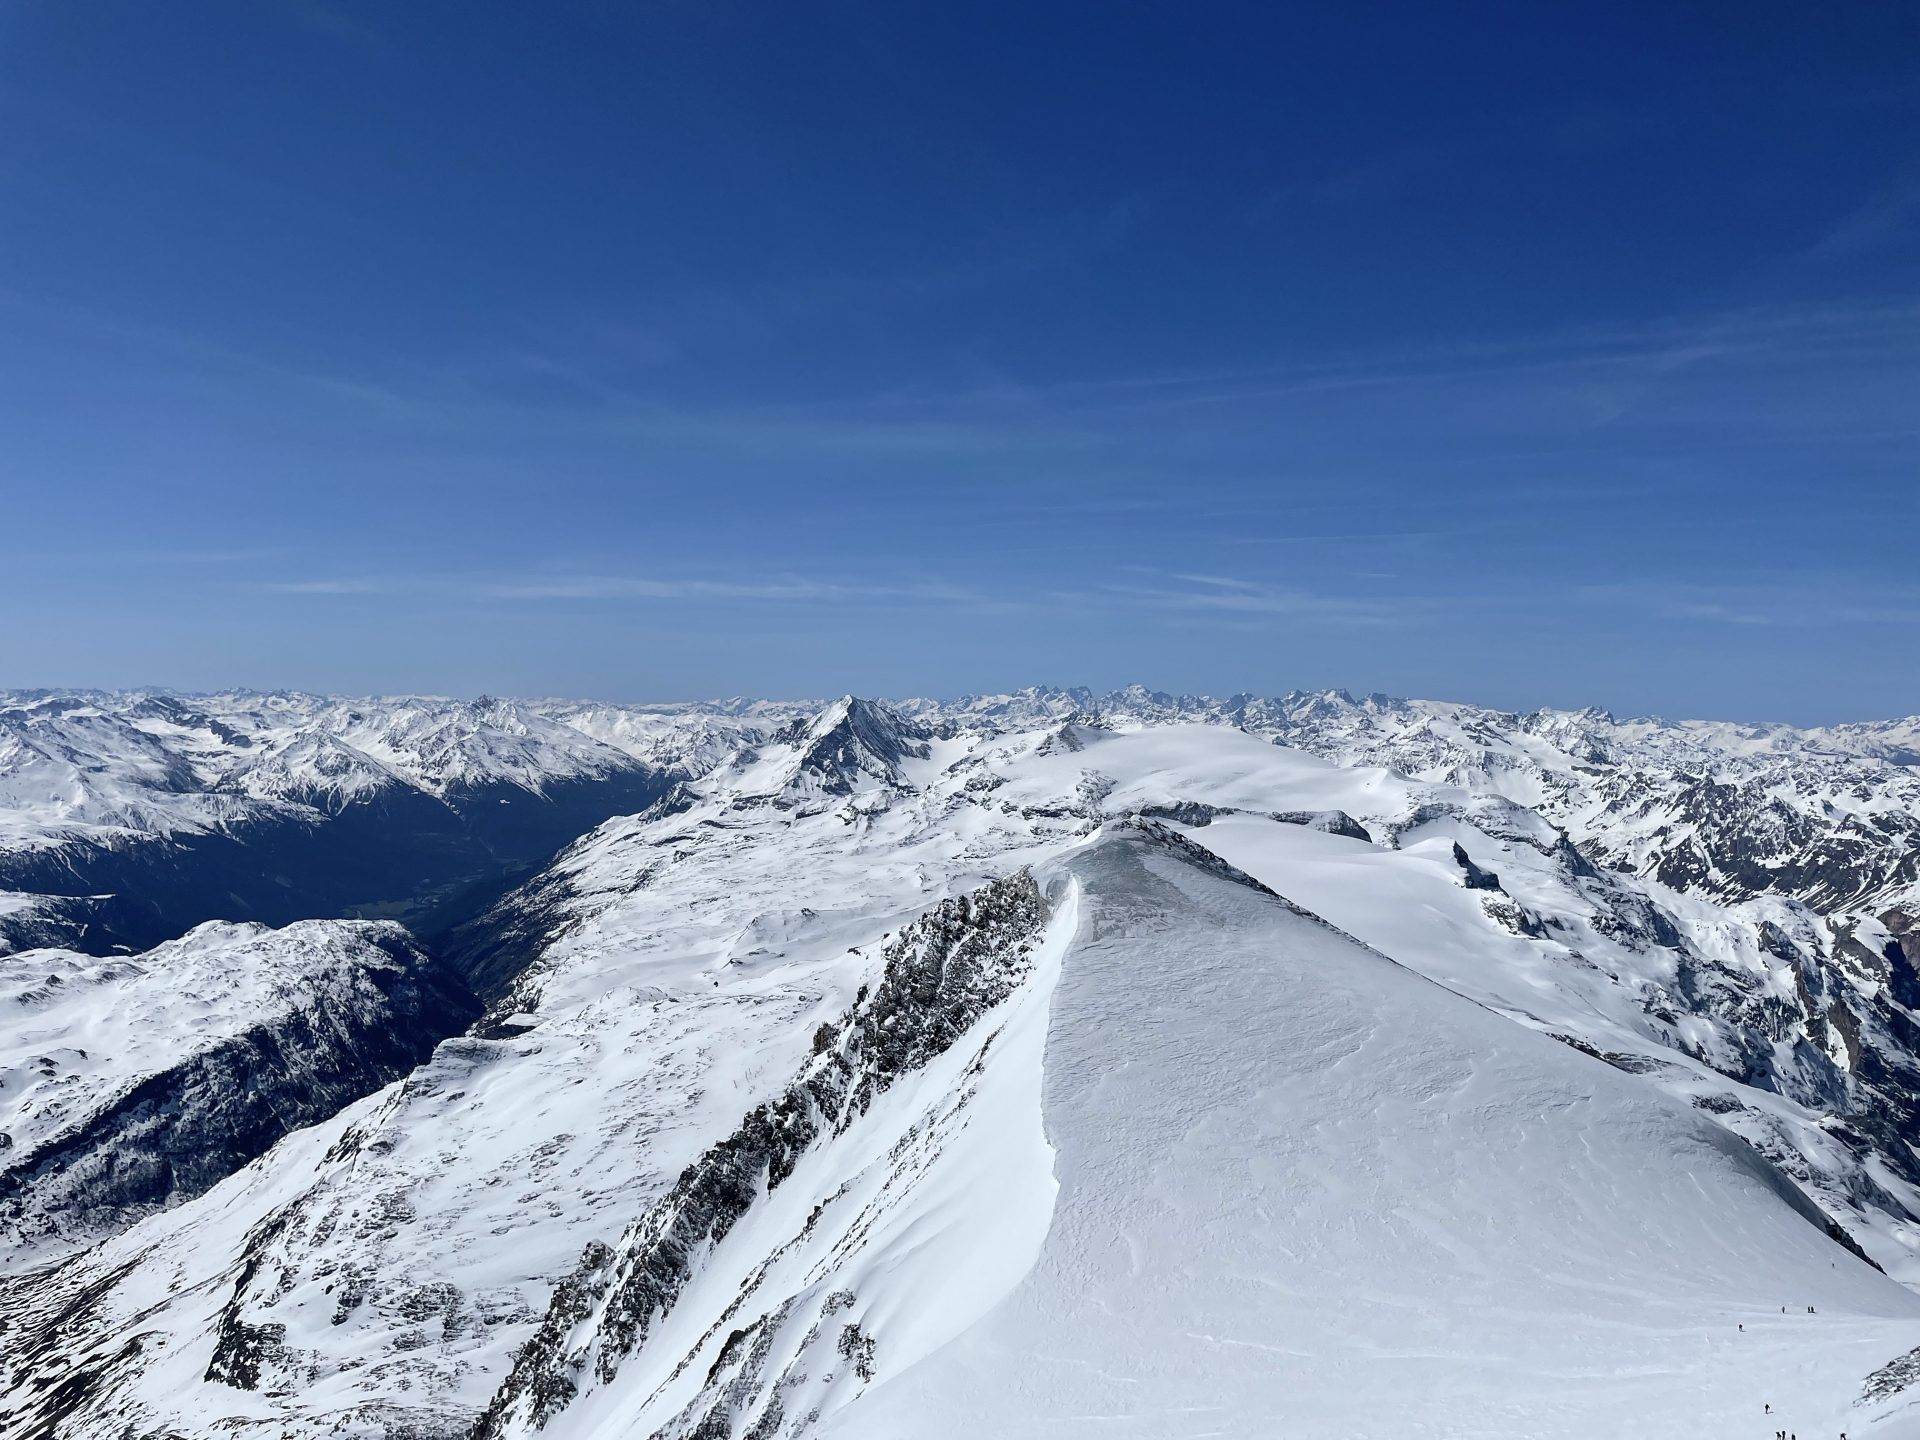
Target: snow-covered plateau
<point>1044,1064</point>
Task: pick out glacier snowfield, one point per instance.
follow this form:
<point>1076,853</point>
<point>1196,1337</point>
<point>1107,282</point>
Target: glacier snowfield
<point>1050,1064</point>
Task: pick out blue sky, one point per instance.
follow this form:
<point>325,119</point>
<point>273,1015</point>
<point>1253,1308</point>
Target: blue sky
<point>1489,352</point>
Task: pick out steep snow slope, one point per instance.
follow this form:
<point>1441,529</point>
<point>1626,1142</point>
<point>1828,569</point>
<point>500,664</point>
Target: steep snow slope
<point>364,1278</point>
<point>109,766</point>
<point>127,1085</point>
<point>1727,1008</point>
<point>1304,1191</point>
<point>1826,816</point>
<point>1829,817</point>
<point>851,1202</point>
<point>68,766</point>
<point>684,740</point>
<point>105,765</point>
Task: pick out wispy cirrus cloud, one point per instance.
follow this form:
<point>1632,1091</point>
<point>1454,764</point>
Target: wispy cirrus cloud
<point>1199,597</point>
<point>1888,214</point>
<point>770,589</point>
<point>1802,602</point>
<point>1229,596</point>
<point>776,589</point>
<point>327,585</point>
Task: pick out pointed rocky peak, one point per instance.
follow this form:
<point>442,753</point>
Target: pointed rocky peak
<point>853,745</point>
<point>1078,696</point>
<point>489,712</point>
<point>1140,695</point>
<point>161,707</point>
<point>1070,737</point>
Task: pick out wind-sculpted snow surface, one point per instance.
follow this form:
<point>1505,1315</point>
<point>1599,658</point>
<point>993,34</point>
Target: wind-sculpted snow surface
<point>1304,1191</point>
<point>562,1213</point>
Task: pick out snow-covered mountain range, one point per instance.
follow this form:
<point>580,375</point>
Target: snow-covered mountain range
<point>1045,1063</point>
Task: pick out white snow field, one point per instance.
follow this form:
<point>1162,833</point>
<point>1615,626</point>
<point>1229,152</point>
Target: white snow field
<point>1204,1166</point>
<point>1305,1192</point>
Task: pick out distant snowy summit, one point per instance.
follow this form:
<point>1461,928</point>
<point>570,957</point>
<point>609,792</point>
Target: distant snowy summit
<point>1827,813</point>
<point>73,762</point>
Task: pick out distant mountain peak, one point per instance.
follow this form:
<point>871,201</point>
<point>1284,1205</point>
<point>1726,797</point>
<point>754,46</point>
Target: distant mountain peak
<point>853,744</point>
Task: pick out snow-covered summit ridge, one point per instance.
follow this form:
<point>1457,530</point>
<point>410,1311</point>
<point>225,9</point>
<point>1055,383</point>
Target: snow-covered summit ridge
<point>156,762</point>
<point>676,968</point>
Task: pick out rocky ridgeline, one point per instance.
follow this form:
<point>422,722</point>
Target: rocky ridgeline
<point>942,973</point>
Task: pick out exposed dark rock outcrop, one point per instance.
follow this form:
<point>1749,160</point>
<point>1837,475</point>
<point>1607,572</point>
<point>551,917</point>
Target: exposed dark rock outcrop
<point>1891,1378</point>
<point>1333,822</point>
<point>1192,813</point>
<point>1475,878</point>
<point>58,922</point>
<point>941,974</point>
